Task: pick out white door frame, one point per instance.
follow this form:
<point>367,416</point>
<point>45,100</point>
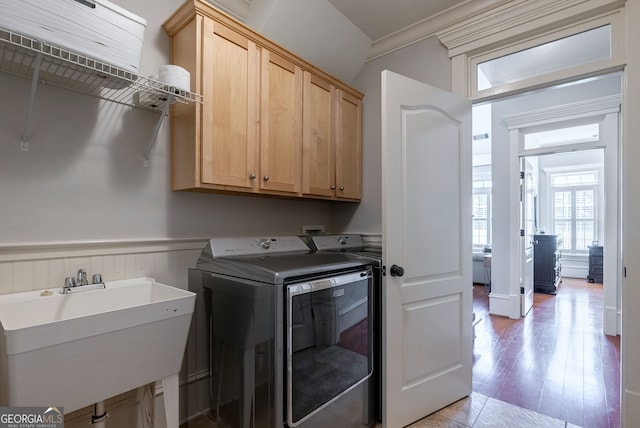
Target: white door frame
<point>527,287</point>
<point>527,20</point>
<point>605,110</point>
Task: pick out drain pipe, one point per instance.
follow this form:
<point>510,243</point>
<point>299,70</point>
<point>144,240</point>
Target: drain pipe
<point>100,415</point>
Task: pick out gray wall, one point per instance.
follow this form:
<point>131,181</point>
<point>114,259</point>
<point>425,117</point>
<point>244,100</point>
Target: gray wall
<point>426,61</point>
<point>83,178</point>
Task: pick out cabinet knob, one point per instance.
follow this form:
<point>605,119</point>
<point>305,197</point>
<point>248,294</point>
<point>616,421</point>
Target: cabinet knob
<point>252,177</point>
<point>341,187</point>
<point>266,178</point>
<point>333,187</point>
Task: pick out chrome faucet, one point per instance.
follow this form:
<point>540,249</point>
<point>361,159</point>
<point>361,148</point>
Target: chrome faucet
<point>82,277</point>
<point>81,283</point>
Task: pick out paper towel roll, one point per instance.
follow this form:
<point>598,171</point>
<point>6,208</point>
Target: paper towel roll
<point>174,75</point>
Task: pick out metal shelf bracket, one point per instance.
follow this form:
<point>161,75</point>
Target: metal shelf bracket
<point>28,117</point>
<point>23,56</point>
<point>163,115</point>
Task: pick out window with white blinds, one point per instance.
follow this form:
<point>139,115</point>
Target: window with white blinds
<point>481,212</point>
<point>481,206</point>
<point>574,209</point>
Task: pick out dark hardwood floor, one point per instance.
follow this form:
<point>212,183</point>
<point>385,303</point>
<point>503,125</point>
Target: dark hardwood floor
<point>555,361</point>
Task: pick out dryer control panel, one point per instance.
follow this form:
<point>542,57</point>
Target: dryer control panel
<point>250,245</point>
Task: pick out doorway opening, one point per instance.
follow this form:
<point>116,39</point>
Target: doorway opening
<point>572,182</point>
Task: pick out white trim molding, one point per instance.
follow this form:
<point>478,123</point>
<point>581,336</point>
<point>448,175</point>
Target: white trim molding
<point>521,24</point>
<point>45,266</point>
<point>431,26</point>
<point>51,250</point>
<point>517,18</point>
<point>507,305</point>
<point>565,112</point>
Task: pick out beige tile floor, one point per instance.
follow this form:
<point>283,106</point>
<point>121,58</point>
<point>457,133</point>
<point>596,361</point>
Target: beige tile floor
<point>480,411</point>
<point>476,411</point>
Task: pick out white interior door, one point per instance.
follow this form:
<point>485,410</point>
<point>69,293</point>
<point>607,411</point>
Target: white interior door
<point>426,228</point>
<point>527,226</point>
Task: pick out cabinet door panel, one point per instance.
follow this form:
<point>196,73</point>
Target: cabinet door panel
<point>230,86</point>
<point>349,147</point>
<point>318,138</point>
<point>280,125</point>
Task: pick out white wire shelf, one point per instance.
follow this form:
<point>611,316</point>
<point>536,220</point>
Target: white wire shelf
<point>45,63</point>
<point>21,55</point>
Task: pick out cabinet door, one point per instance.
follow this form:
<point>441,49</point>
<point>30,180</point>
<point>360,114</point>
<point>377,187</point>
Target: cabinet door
<point>318,137</point>
<point>230,82</point>
<point>280,125</point>
<point>349,147</point>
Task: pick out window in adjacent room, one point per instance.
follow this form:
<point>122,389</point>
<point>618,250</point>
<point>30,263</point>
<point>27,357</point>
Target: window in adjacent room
<point>481,145</point>
<point>481,213</point>
<point>574,208</point>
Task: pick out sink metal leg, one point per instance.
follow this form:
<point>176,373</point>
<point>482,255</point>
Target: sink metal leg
<point>170,387</point>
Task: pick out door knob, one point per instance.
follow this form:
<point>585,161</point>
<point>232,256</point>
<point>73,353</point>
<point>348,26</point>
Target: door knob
<point>396,270</point>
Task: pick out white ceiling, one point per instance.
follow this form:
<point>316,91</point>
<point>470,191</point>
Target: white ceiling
<point>380,18</point>
<point>351,28</point>
<point>356,30</point>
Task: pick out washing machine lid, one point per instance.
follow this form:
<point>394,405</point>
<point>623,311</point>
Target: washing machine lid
<point>273,260</point>
<point>349,243</point>
<point>342,242</point>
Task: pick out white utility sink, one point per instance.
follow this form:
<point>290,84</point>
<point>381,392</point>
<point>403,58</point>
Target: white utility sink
<point>77,349</point>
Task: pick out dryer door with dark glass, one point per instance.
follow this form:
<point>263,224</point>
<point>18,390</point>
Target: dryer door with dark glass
<point>329,340</point>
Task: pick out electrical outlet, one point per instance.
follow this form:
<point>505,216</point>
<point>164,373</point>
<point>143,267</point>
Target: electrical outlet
<point>313,229</point>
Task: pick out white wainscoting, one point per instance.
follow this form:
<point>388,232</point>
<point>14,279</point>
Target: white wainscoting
<point>45,266</point>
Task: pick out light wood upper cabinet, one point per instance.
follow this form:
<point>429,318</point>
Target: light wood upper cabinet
<point>318,137</point>
<point>349,147</point>
<point>280,124</point>
<point>231,87</point>
<point>271,123</point>
<point>332,141</point>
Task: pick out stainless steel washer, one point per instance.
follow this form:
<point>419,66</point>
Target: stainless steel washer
<point>290,333</point>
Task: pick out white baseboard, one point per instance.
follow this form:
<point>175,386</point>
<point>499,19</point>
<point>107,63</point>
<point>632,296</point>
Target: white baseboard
<point>611,321</point>
<point>506,305</point>
<point>630,416</point>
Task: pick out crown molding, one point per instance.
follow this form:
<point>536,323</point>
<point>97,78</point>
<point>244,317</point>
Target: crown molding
<point>582,109</point>
<point>430,26</point>
<point>517,18</point>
